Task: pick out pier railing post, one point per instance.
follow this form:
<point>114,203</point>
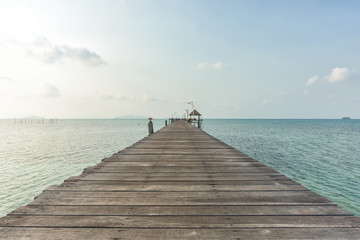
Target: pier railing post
<point>150,127</point>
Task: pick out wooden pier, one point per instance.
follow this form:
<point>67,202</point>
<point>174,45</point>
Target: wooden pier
<point>179,183</point>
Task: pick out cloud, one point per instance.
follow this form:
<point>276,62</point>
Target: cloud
<point>202,65</point>
<point>339,74</point>
<point>47,52</point>
<point>311,80</point>
<point>266,101</point>
<point>6,79</point>
<point>218,66</point>
<point>50,91</point>
<point>214,66</point>
<point>306,92</point>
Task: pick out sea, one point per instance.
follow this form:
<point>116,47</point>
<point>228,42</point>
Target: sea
<point>322,155</point>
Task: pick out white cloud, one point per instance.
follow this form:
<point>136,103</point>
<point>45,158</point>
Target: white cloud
<point>312,80</point>
<point>202,65</point>
<point>47,52</point>
<point>338,74</point>
<point>6,79</point>
<point>50,91</point>
<point>214,66</point>
<point>218,66</point>
<point>266,101</point>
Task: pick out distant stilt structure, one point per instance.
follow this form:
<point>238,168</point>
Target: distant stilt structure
<point>196,118</point>
<point>35,121</point>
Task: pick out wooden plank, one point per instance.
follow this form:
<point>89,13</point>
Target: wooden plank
<point>171,194</point>
<point>144,198</point>
<point>166,234</point>
<point>174,157</point>
<point>133,158</point>
<point>175,187</point>
<point>192,177</point>
<point>190,210</point>
<point>241,197</point>
<point>181,221</point>
<point>184,151</point>
<point>173,169</point>
<point>184,164</point>
<point>170,201</point>
<point>211,182</point>
<point>185,175</point>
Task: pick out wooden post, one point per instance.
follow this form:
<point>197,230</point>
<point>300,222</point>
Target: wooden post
<point>150,127</point>
<point>165,123</point>
<point>193,117</point>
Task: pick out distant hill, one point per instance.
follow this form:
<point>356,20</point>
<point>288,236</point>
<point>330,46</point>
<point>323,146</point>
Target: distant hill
<point>131,117</point>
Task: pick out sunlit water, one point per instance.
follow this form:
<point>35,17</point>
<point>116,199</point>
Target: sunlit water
<point>322,155</point>
<point>36,156</point>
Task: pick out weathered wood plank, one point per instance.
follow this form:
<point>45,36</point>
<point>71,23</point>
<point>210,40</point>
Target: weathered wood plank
<point>175,187</point>
<point>166,234</point>
<point>120,177</point>
<point>181,221</point>
<point>246,198</point>
<point>174,157</point>
<point>184,164</point>
<point>187,175</point>
<point>173,169</point>
<point>196,210</point>
<point>172,194</point>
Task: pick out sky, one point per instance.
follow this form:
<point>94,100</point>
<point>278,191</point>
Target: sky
<point>233,59</point>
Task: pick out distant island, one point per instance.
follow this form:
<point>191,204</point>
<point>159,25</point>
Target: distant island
<point>346,118</point>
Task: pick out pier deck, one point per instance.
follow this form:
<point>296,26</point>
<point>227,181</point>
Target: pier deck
<point>179,183</point>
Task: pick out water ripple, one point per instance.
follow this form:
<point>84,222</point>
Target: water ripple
<point>322,155</point>
<point>36,156</point>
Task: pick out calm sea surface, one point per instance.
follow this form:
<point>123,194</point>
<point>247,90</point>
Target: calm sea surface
<point>323,155</point>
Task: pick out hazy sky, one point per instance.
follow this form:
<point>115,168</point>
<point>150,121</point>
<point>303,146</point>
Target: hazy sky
<point>234,59</point>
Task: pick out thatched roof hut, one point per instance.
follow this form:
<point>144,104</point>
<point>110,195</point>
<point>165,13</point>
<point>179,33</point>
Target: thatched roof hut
<point>195,113</point>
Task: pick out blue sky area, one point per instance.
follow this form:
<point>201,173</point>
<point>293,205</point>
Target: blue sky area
<point>234,59</point>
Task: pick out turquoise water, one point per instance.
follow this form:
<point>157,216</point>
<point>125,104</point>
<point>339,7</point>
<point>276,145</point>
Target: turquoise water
<point>323,155</point>
<point>36,156</point>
